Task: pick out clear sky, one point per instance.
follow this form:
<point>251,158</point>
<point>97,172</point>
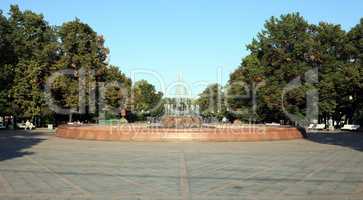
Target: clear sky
<point>196,38</point>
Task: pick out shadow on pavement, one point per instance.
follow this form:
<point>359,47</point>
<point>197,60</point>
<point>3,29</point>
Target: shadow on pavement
<point>14,144</point>
<point>351,140</point>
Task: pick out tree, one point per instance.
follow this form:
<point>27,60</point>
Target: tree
<point>82,50</point>
<point>7,62</point>
<point>35,47</point>
<point>284,51</point>
<point>211,102</point>
<point>241,86</point>
<point>146,100</point>
<point>354,72</point>
<point>31,50</point>
<point>330,49</point>
<point>117,94</point>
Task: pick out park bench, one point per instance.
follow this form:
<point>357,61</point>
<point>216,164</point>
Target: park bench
<point>350,127</point>
<point>316,126</point>
<point>320,127</point>
<point>273,124</point>
<point>311,126</point>
<point>20,125</point>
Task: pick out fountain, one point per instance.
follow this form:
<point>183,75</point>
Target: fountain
<point>181,122</point>
<point>180,112</point>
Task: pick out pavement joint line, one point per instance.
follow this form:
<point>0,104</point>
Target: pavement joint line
<point>43,195</point>
<point>65,180</point>
<point>184,178</point>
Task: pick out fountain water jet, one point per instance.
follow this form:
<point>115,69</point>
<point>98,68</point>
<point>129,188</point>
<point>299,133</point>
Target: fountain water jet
<point>181,113</point>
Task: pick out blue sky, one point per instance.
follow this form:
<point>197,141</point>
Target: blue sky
<point>197,38</point>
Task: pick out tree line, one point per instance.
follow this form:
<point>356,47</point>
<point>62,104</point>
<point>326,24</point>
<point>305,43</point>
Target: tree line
<point>288,47</point>
<point>32,50</point>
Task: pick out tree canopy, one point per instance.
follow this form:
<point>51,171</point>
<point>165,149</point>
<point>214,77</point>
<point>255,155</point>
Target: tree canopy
<point>146,99</point>
<point>287,48</point>
<point>31,51</point>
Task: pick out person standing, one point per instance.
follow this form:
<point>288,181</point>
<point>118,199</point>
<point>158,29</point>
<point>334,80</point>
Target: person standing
<point>28,125</point>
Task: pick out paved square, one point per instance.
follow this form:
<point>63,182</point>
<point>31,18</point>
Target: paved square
<point>45,167</point>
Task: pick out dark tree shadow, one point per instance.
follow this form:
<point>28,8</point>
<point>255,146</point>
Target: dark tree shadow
<point>14,144</point>
<point>353,140</point>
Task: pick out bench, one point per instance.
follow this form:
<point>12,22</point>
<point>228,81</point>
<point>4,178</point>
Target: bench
<point>311,126</point>
<point>350,127</point>
<point>21,125</point>
<point>320,127</point>
<point>273,124</point>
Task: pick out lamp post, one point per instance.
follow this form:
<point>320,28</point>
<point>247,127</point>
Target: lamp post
<point>351,100</point>
<point>12,111</point>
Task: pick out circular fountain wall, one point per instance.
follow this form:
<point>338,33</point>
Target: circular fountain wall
<point>143,133</point>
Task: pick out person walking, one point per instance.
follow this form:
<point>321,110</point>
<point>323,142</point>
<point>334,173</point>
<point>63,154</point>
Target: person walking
<point>28,125</point>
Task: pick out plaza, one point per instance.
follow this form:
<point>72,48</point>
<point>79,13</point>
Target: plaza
<point>42,166</point>
<point>181,100</point>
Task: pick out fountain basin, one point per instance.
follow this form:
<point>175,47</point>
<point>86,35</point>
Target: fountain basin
<point>143,133</point>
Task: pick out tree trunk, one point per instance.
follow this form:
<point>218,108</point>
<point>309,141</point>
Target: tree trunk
<point>70,117</point>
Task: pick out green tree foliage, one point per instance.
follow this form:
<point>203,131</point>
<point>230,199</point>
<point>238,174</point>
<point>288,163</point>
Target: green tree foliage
<point>287,48</point>
<point>7,62</point>
<point>118,93</point>
<point>146,100</point>
<point>211,101</point>
<point>330,47</point>
<point>284,49</point>
<point>83,50</point>
<point>355,70</point>
<point>31,51</point>
<point>34,44</point>
<point>239,92</point>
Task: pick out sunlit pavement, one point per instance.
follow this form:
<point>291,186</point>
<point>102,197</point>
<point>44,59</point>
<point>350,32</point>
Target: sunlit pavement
<point>42,166</point>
